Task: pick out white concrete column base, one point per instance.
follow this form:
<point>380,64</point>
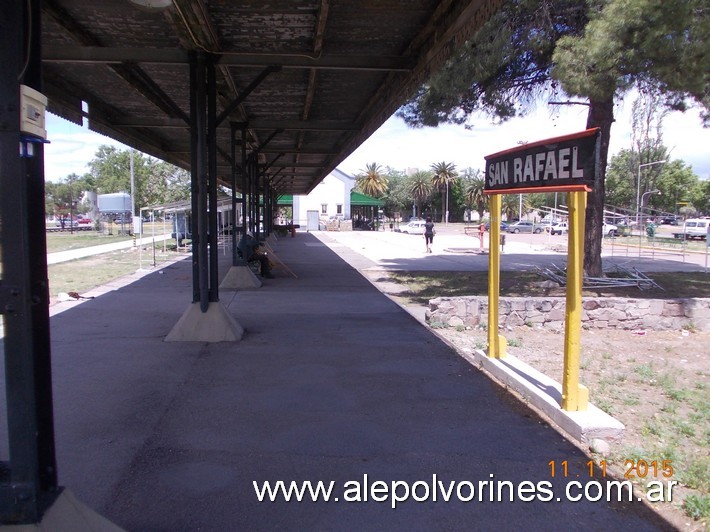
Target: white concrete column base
<point>67,514</point>
<point>215,325</point>
<point>240,278</point>
<point>544,393</point>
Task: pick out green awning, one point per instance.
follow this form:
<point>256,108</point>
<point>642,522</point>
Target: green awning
<point>285,199</point>
<point>358,199</point>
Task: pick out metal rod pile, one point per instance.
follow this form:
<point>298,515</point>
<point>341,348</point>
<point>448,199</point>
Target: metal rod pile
<point>625,277</point>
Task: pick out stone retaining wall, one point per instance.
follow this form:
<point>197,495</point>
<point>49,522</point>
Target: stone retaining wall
<point>549,312</point>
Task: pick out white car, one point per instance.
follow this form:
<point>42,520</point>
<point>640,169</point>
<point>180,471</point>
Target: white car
<point>413,228</point>
<point>609,229</point>
<point>560,228</point>
<point>563,228</point>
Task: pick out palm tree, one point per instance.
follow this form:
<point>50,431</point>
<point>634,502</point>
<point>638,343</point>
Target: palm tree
<point>371,181</point>
<point>444,175</point>
<point>420,187</point>
<point>473,193</point>
<point>511,205</point>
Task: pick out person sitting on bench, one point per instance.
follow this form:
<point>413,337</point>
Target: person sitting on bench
<point>249,250</point>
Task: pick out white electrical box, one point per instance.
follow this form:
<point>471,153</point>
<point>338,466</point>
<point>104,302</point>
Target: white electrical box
<point>33,106</point>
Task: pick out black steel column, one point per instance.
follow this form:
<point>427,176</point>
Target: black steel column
<point>198,139</point>
<point>268,207</point>
<point>233,140</point>
<point>194,163</point>
<point>31,483</point>
<point>245,182</point>
<point>212,180</point>
<point>253,196</point>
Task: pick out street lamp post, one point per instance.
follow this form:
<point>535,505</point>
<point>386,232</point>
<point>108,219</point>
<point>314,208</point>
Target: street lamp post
<point>638,187</point>
<point>643,198</point>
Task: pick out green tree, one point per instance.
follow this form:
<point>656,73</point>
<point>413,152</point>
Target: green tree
<point>621,180</point>
<point>598,48</point>
<point>510,206</point>
<point>420,188</point>
<point>372,180</point>
<point>536,201</point>
<point>155,182</point>
<point>660,45</point>
<point>64,197</point>
<point>473,191</point>
<point>111,171</point>
<point>700,196</point>
<point>397,198</point>
<point>675,180</point>
<point>443,175</point>
<point>678,183</point>
<point>457,201</point>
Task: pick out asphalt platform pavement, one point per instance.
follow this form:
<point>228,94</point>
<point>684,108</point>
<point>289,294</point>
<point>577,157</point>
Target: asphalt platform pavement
<point>332,382</point>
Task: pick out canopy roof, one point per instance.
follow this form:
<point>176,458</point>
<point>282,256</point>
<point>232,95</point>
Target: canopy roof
<point>359,199</point>
<point>310,80</point>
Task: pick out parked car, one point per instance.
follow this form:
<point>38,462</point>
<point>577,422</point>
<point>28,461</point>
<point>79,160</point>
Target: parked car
<point>609,230</point>
<point>560,228</point>
<point>503,226</point>
<point>413,228</point>
<point>122,219</point>
<point>524,226</point>
<point>74,223</point>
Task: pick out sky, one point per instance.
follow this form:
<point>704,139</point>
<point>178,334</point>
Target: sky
<point>396,145</point>
<point>400,147</point>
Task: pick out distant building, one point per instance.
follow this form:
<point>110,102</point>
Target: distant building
<point>332,199</point>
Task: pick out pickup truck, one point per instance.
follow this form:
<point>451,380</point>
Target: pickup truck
<point>694,228</point>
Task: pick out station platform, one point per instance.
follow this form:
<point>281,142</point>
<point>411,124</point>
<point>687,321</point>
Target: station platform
<point>332,381</point>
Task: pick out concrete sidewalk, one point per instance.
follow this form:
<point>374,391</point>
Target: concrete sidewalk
<point>72,254</point>
<point>332,382</point>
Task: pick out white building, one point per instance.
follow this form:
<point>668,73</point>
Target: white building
<point>333,198</point>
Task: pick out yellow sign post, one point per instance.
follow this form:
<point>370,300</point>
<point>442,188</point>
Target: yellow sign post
<point>496,342</point>
<point>574,395</point>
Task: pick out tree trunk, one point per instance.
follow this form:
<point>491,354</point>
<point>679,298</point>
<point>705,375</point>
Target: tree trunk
<point>601,115</point>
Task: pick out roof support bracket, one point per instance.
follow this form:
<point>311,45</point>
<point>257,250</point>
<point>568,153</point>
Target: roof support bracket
<point>246,92</point>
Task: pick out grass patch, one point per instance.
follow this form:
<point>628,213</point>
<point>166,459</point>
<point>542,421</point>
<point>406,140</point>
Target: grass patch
<point>645,371</point>
<point>84,274</point>
<point>697,506</point>
<point>695,474</point>
<point>64,241</point>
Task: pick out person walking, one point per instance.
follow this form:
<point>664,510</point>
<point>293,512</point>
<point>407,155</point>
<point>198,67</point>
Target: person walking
<point>429,233</point>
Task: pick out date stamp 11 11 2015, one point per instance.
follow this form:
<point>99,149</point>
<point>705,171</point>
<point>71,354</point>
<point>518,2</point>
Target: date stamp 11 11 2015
<point>633,469</point>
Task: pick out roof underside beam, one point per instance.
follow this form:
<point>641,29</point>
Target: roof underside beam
<point>129,71</point>
<point>172,56</point>
<point>257,123</point>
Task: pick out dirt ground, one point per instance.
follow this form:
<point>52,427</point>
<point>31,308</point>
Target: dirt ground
<point>655,382</point>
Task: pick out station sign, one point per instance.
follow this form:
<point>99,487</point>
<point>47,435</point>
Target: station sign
<point>560,162</point>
